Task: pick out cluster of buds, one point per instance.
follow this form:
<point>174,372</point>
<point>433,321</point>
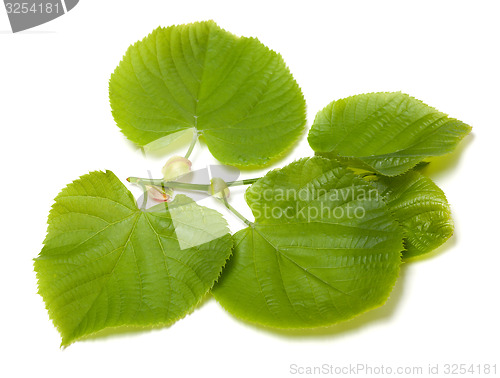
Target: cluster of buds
<point>175,167</point>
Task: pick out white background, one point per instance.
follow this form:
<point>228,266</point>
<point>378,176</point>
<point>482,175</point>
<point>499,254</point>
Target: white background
<point>56,125</point>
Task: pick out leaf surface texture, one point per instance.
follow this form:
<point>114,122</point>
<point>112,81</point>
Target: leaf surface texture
<point>421,208</point>
<point>386,132</point>
<point>237,93</point>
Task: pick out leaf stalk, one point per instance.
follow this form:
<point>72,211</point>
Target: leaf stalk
<point>234,211</point>
<point>191,146</point>
<point>184,185</point>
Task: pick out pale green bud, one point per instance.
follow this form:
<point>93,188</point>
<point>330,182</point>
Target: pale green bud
<point>218,188</point>
<point>174,167</point>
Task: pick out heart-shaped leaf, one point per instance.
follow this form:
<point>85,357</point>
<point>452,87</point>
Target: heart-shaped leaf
<point>237,93</point>
<point>324,248</point>
<point>105,263</point>
<point>388,133</point>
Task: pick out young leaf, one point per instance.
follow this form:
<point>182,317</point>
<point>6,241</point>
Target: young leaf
<point>421,208</point>
<point>105,263</point>
<point>388,133</point>
<point>324,248</point>
<point>237,93</point>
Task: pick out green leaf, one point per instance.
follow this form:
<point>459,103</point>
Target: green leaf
<point>388,133</point>
<point>105,263</point>
<point>421,208</point>
<point>308,260</point>
<point>237,93</point>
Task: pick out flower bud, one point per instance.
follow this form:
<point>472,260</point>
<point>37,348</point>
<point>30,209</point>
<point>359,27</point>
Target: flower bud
<point>174,167</point>
<point>218,188</point>
<point>159,194</point>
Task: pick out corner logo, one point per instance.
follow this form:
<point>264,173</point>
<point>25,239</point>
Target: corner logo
<point>28,14</point>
